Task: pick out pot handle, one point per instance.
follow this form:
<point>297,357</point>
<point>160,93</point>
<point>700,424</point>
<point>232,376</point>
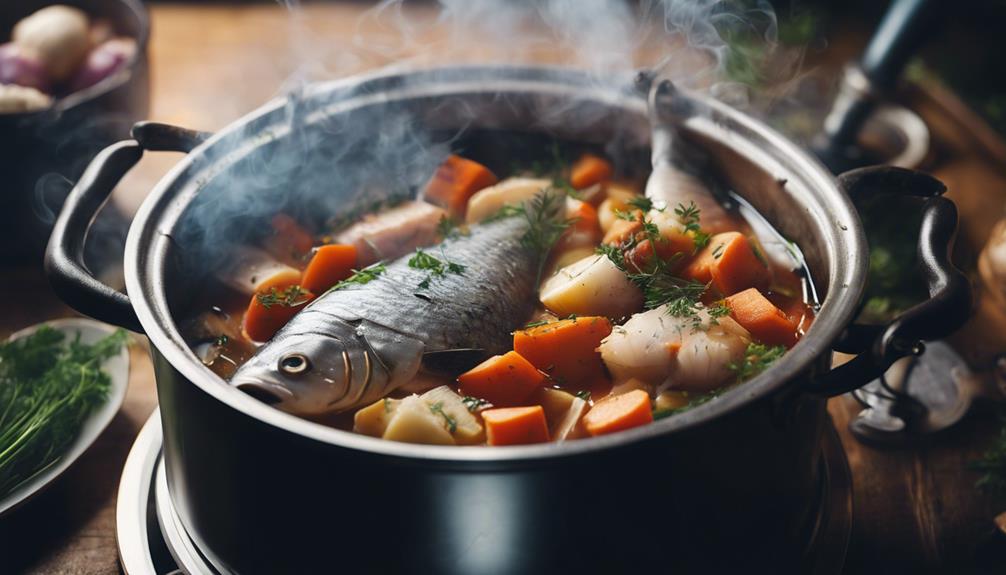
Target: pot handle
<point>949,303</point>
<point>64,256</point>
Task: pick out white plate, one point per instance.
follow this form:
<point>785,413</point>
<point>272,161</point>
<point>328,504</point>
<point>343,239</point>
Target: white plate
<point>118,370</point>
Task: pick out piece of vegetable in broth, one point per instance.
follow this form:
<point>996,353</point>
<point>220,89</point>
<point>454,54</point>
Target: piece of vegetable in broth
<point>584,229</point>
<point>459,420</point>
<point>616,202</point>
<point>690,352</point>
<point>563,412</point>
<point>373,420</point>
<point>566,350</point>
<point>590,170</point>
<point>268,311</point>
<point>415,422</point>
<point>515,425</point>
<point>250,270</point>
<point>510,192</point>
<point>60,36</point>
<point>618,413</point>
<point>454,182</point>
<point>503,380</point>
<point>731,263</point>
<point>593,286</point>
<point>329,265</point>
<point>394,232</point>
<point>767,323</point>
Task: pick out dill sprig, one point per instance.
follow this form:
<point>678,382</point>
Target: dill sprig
<point>438,409</point>
<point>291,296</point>
<point>360,277</point>
<point>544,225</point>
<point>690,216</point>
<point>757,358</point>
<point>448,228</point>
<point>47,391</point>
<point>692,403</point>
<point>434,266</point>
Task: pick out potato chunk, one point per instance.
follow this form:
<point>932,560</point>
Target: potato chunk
<point>448,405</point>
<point>591,286</point>
<point>374,419</point>
<point>415,422</point>
<point>510,192</point>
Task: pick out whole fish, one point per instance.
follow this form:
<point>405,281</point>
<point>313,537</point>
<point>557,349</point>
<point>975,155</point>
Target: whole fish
<point>354,345</point>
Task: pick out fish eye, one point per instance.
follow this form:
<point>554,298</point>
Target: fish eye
<point>294,364</point>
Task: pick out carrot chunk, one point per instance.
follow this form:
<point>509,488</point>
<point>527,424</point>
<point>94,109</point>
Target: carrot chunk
<point>590,170</point>
<point>455,181</point>
<point>566,350</point>
<point>584,229</point>
<point>270,310</point>
<point>505,380</point>
<point>329,265</point>
<point>619,412</point>
<point>730,263</point>
<point>767,323</point>
<point>289,242</point>
<point>515,425</point>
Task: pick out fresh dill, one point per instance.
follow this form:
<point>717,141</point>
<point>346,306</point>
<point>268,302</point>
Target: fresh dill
<point>447,228</point>
<point>641,203</point>
<point>538,323</point>
<point>438,409</point>
<point>692,403</point>
<point>47,391</point>
<point>690,217</point>
<point>360,277</point>
<point>291,296</point>
<point>434,266</point>
<point>474,404</point>
<point>544,225</point>
<point>757,358</point>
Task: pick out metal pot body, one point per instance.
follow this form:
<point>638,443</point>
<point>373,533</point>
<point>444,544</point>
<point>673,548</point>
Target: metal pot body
<point>42,154</point>
<point>729,484</point>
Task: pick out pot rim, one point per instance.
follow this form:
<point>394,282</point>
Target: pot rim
<point>146,246</point>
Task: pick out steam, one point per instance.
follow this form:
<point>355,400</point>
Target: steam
<point>357,159</point>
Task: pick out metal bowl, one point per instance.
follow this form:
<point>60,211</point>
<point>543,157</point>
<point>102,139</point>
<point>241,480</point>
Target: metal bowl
<point>726,485</point>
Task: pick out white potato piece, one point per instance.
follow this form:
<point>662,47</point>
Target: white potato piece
<point>571,425</point>
<point>591,286</point>
<point>61,36</point>
<point>567,257</point>
<point>617,197</point>
<point>249,269</point>
<point>373,420</point>
<point>555,403</point>
<point>415,422</point>
<point>467,429</point>
<point>394,232</point>
<point>16,99</point>
<point>510,192</point>
<point>676,353</point>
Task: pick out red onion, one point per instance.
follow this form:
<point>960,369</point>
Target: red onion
<point>22,66</point>
<point>105,60</point>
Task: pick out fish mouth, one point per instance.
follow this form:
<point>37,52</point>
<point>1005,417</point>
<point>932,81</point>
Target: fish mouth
<point>267,393</point>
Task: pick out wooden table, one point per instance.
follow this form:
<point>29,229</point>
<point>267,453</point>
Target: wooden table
<point>916,509</point>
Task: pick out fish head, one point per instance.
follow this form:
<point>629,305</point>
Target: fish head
<point>303,374</point>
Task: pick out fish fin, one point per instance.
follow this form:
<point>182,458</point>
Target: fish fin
<point>453,362</point>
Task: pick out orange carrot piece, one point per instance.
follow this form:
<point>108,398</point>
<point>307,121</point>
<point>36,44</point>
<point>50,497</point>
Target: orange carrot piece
<point>619,412</point>
<point>730,263</point>
<point>455,181</point>
<point>329,265</point>
<point>290,239</point>
<point>280,280</point>
<point>566,350</point>
<point>505,380</point>
<point>515,425</point>
<point>590,170</point>
<point>585,229</point>
<point>767,323</point>
<point>270,310</point>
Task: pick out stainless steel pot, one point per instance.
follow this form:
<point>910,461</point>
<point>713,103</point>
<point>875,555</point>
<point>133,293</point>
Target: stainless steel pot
<point>731,483</point>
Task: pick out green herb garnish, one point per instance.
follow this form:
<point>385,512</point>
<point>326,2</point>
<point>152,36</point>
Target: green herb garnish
<point>692,403</point>
<point>47,390</point>
<point>757,358</point>
<point>538,323</point>
<point>434,266</point>
<point>438,409</point>
<point>360,277</point>
<point>291,296</point>
<point>544,226</point>
<point>447,228</point>
<point>474,403</point>
<point>641,203</point>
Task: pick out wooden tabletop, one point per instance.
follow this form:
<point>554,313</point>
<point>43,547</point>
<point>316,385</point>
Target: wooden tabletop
<point>916,509</point>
